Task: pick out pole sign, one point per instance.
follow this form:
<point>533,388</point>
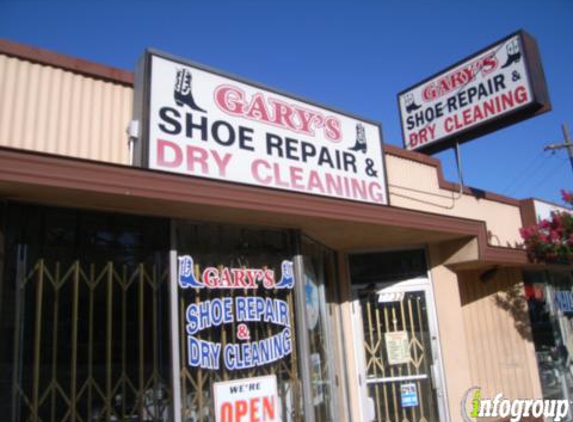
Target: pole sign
<point>499,86</point>
<point>200,122</point>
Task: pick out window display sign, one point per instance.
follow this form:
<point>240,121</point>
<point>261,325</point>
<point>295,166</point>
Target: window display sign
<point>397,347</point>
<point>409,395</point>
<point>549,296</point>
<point>316,374</point>
<point>564,300</point>
<point>494,88</point>
<point>247,400</point>
<point>203,123</point>
<point>239,309</point>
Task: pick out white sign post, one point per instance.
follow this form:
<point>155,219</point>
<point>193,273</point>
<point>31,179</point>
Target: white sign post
<point>247,400</point>
<point>202,123</point>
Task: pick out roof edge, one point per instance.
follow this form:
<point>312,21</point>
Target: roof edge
<point>442,182</point>
<point>73,64</point>
<point>66,173</point>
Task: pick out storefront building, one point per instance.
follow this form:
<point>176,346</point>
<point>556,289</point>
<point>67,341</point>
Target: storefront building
<point>135,294</point>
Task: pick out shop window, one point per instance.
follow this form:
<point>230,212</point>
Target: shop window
<point>550,298</point>
<point>235,348</point>
<point>231,358</point>
<point>319,275</point>
<point>85,306</point>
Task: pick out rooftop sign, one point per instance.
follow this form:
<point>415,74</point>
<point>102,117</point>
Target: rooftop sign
<point>200,122</point>
<point>499,86</point>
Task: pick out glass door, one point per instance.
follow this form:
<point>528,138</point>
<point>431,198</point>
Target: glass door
<point>397,344</point>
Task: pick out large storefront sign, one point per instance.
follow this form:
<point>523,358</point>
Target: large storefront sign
<point>202,123</point>
<point>494,88</point>
<point>238,309</point>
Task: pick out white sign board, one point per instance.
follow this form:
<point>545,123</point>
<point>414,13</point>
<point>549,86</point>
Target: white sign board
<point>247,400</point>
<point>397,347</point>
<point>202,123</point>
<point>473,97</point>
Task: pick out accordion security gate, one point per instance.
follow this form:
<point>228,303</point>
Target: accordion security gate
<point>87,313</point>
<point>235,247</point>
<point>399,341</point>
<point>197,383</point>
<point>89,343</point>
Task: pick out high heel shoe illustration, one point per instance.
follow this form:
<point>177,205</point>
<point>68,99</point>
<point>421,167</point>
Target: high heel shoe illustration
<point>360,144</point>
<point>182,91</point>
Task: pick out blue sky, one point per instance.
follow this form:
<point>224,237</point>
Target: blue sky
<point>352,55</point>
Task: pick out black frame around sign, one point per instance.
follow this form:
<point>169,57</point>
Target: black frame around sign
<point>142,98</point>
<point>540,102</point>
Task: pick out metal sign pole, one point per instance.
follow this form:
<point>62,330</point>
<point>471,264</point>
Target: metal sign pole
<point>460,175</point>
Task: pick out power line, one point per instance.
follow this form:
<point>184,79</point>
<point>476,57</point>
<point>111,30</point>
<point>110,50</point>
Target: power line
<point>521,176</point>
<point>526,176</point>
<point>552,170</point>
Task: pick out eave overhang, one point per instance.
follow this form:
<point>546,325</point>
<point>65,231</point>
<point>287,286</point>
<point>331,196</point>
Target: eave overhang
<point>341,225</point>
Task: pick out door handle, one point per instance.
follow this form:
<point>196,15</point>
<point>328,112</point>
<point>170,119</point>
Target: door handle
<point>435,375</point>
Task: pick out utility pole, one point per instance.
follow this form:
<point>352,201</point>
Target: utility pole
<point>566,144</point>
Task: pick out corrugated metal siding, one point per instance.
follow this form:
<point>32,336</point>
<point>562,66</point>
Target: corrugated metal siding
<point>498,334</point>
<point>46,109</point>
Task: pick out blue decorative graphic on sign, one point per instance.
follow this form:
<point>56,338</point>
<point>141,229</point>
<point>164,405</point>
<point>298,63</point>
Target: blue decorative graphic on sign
<point>186,273</point>
<point>408,395</point>
<point>287,276</point>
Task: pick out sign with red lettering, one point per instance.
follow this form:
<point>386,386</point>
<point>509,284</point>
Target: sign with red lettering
<point>203,123</point>
<point>247,400</point>
<point>497,87</point>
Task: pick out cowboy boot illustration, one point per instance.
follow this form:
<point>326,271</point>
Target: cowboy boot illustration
<point>287,276</point>
<point>513,53</point>
<point>360,144</point>
<point>187,273</point>
<point>410,103</point>
<point>182,90</point>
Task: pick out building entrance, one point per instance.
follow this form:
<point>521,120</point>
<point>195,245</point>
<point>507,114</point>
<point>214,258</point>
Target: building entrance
<point>397,349</point>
